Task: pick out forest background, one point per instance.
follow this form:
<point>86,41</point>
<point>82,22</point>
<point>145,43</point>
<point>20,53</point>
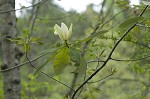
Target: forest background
<point>106,57</point>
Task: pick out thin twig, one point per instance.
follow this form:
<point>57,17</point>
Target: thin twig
<point>137,43</point>
<point>34,19</point>
<point>108,58</point>
<point>101,79</point>
<point>7,11</point>
<point>127,60</point>
<point>124,60</point>
<point>48,75</point>
<point>19,65</point>
<point>143,25</point>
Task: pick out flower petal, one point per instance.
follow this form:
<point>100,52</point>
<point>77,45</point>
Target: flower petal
<point>70,31</point>
<point>57,30</point>
<point>64,28</point>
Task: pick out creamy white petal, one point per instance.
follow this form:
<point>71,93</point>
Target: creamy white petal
<point>64,28</point>
<point>57,29</point>
<point>70,31</point>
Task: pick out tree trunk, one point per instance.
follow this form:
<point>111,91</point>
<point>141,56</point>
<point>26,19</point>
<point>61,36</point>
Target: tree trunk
<point>11,54</point>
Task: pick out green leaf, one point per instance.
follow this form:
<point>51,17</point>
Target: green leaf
<point>48,60</point>
<point>17,40</point>
<point>74,56</point>
<point>83,66</point>
<point>26,47</point>
<point>129,22</point>
<point>36,40</point>
<point>61,60</point>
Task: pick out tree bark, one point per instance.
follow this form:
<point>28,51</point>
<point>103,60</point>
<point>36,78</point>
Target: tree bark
<point>10,53</point>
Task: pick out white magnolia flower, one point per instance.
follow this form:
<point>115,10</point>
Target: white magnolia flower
<point>63,31</point>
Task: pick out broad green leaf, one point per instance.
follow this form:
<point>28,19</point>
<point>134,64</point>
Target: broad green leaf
<point>74,56</point>
<point>48,60</point>
<point>83,66</point>
<point>129,22</point>
<point>146,3</point>
<point>61,60</point>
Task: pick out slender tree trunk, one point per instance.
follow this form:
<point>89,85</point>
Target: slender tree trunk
<point>11,54</point>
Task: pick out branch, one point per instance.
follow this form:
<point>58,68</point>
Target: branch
<point>143,25</point>
<point>126,60</point>
<point>54,19</point>
<point>7,11</point>
<point>108,58</point>
<point>33,19</point>
<point>123,80</point>
<point>114,59</point>
<point>102,78</point>
<point>138,43</point>
<point>19,65</point>
<point>47,74</point>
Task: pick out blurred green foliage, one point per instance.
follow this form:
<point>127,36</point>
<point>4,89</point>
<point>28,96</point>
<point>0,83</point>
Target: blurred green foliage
<point>100,30</point>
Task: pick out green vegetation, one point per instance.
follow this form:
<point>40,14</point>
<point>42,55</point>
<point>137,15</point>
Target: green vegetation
<point>94,55</point>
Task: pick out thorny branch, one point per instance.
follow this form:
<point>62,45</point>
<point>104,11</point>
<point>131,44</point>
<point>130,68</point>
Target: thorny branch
<point>108,58</point>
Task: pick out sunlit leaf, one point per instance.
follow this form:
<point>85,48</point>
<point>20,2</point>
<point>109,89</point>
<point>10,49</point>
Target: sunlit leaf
<point>61,60</point>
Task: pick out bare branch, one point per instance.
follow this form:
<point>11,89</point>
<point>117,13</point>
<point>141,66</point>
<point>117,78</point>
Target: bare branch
<point>19,65</point>
<point>102,78</point>
<point>7,11</point>
<point>108,58</point>
<point>124,60</point>
<point>143,25</point>
<point>47,74</point>
<point>127,60</point>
